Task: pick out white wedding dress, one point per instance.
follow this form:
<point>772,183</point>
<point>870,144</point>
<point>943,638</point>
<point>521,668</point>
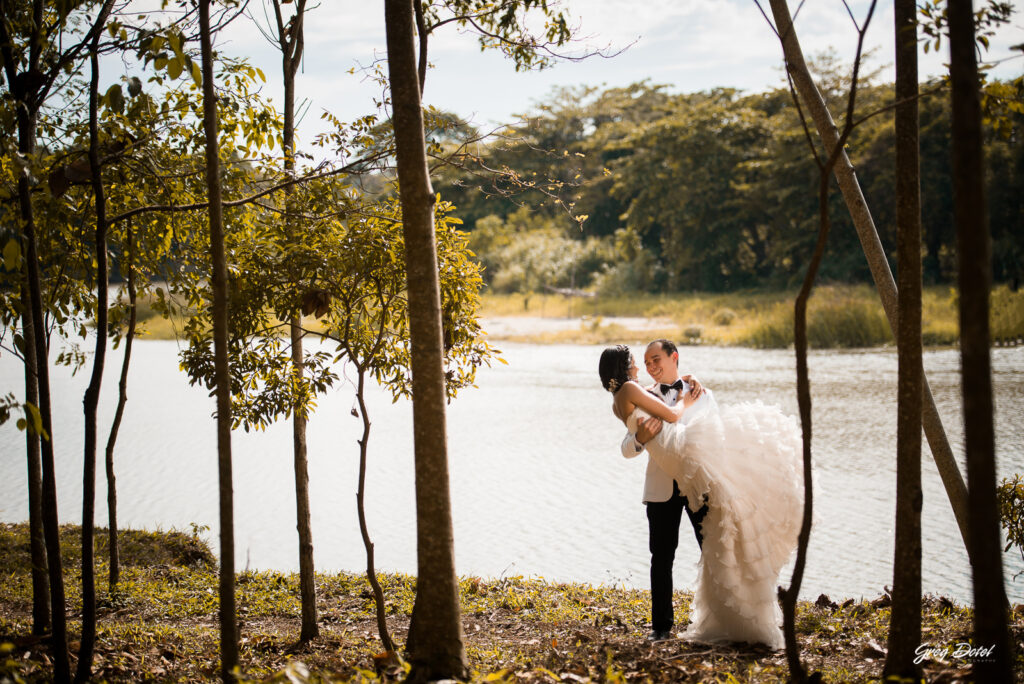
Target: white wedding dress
<point>748,460</point>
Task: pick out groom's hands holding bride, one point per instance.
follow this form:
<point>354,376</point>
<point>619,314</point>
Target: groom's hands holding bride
<point>648,428</point>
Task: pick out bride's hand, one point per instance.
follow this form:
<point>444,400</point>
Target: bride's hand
<point>689,399</point>
<point>696,389</point>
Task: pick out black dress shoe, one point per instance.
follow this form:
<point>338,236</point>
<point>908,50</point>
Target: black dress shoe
<point>659,635</point>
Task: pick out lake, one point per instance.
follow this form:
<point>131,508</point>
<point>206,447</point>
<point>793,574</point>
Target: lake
<point>538,485</point>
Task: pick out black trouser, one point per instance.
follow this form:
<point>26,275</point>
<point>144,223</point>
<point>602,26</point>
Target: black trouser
<point>663,522</point>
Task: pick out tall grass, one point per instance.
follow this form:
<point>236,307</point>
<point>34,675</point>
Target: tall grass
<point>1006,315</point>
<point>836,318</point>
<point>839,316</point>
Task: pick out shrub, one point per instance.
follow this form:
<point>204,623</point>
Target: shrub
<point>1010,495</point>
<point>724,317</point>
<point>693,333</point>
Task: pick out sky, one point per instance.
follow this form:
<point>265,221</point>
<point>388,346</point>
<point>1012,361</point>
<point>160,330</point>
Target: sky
<point>688,45</point>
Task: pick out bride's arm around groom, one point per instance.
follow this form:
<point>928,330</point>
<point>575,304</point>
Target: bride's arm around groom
<point>633,444</point>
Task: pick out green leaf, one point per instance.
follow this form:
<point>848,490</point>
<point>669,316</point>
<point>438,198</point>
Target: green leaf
<point>36,420</point>
<point>174,67</point>
<point>114,98</point>
<point>197,74</point>
<point>174,40</point>
<point>12,255</point>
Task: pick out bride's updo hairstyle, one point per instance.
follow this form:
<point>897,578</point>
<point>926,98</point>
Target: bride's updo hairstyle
<point>614,367</point>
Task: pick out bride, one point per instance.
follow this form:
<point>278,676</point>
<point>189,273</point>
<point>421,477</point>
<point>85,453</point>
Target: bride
<point>747,460</point>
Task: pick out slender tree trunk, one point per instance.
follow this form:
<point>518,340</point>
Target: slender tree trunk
<point>371,572</point>
<point>803,385</point>
<point>37,539</point>
<point>92,392</point>
<point>975,281</point>
<point>846,178</point>
<point>59,640</point>
<point>228,628</point>
<point>58,620</point>
<point>435,643</point>
<point>291,42</point>
<point>307,577</point>
<point>28,93</point>
<point>905,623</point>
<point>803,394</point>
<point>122,399</point>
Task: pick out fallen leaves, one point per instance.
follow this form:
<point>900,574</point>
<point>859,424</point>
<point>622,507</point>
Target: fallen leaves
<point>515,630</point>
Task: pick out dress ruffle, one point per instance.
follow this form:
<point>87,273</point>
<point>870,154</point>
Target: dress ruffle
<point>748,460</point>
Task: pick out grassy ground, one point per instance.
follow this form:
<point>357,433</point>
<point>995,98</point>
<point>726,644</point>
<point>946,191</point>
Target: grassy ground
<point>839,316</point>
<point>162,626</point>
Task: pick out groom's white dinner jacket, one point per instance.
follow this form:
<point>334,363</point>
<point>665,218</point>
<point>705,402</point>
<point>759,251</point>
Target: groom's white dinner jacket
<point>658,483</point>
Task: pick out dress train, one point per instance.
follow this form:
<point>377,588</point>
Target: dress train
<point>748,460</point>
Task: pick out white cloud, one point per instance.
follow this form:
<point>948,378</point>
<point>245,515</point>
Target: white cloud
<point>688,44</point>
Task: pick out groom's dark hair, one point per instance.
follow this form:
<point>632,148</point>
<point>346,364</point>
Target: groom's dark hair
<point>667,346</point>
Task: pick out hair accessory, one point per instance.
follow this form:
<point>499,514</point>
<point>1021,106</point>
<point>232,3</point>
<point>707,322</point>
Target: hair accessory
<point>613,385</point>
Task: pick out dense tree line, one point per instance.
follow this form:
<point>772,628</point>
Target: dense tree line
<point>715,190</point>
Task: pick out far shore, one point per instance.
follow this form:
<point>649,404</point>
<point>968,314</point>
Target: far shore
<point>839,317</point>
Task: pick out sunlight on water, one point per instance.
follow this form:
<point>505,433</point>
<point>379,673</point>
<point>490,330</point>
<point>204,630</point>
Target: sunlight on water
<point>538,486</point>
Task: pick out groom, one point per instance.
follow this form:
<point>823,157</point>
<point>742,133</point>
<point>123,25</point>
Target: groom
<point>661,493</point>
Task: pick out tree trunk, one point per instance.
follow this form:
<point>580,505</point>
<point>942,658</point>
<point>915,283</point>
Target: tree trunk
<point>307,577</point>
<point>846,178</point>
<point>37,538</point>
<point>27,114</point>
<point>797,672</point>
<point>59,641</point>
<point>975,280</point>
<point>51,525</point>
<point>435,644</point>
<point>122,399</point>
<point>29,92</point>
<point>92,392</point>
<point>228,627</point>
<point>803,385</point>
<point>905,623</point>
<point>371,572</point>
<point>291,42</point>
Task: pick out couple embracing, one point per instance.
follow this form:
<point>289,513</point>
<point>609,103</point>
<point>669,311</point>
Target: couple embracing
<point>734,470</point>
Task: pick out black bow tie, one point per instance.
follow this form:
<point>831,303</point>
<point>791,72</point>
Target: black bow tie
<point>677,385</point>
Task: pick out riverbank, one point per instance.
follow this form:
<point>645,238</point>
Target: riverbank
<point>839,316</point>
<point>162,626</point>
